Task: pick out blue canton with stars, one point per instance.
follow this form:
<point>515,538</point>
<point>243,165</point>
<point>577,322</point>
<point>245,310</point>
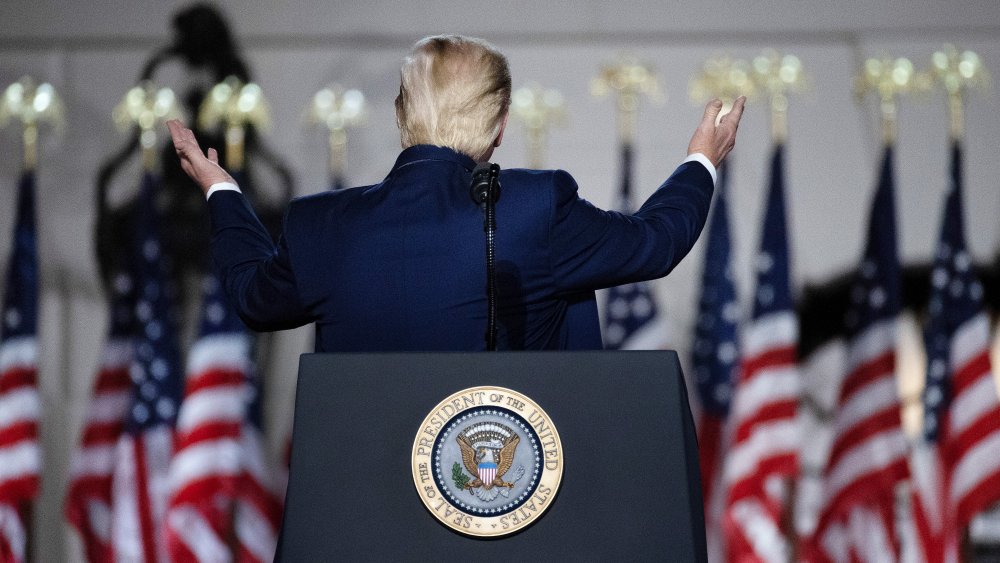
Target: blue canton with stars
<point>628,307</point>
<point>20,296</point>
<point>772,264</point>
<point>956,298</point>
<point>468,417</point>
<point>156,375</point>
<point>876,293</point>
<point>715,352</point>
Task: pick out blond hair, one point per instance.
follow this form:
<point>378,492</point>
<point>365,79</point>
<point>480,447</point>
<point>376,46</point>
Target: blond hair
<point>454,92</point>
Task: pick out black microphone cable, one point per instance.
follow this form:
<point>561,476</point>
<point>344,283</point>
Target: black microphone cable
<point>485,192</point>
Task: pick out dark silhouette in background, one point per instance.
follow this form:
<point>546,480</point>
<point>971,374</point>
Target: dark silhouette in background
<point>203,42</point>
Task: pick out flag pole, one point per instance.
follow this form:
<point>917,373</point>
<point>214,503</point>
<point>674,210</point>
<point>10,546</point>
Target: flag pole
<point>888,79</point>
<point>234,105</point>
<point>31,104</point>
<point>725,78</point>
<point>338,110</point>
<point>146,106</point>
<point>630,80</point>
<point>958,72</point>
<point>538,109</point>
<point>778,76</point>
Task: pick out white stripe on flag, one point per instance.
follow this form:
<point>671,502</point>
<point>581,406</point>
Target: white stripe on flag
<point>12,532</point>
<point>874,454</point>
<point>776,436</point>
<point>768,386</point>
<point>217,404</point>
<point>220,351</point>
<point>19,405</point>
<point>126,529</point>
<point>977,464</point>
<point>255,532</point>
<point>653,335</point>
<point>869,537</point>
<point>96,461</point>
<point>20,351</point>
<point>109,406</point>
<point>977,400</point>
<point>19,460</point>
<point>970,340</point>
<point>870,400</point>
<point>198,536</point>
<point>778,329</point>
<point>209,458</point>
<point>758,528</point>
<point>876,340</point>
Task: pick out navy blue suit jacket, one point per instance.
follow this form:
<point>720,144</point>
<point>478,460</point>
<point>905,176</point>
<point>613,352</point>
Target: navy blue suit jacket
<point>400,265</point>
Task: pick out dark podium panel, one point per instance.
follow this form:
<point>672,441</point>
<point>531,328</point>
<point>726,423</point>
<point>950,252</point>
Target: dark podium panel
<point>630,488</point>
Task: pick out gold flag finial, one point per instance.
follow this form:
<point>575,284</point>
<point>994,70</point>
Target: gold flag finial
<point>725,78</point>
<point>234,105</point>
<point>779,75</point>
<point>888,78</point>
<point>338,110</point>
<point>629,79</point>
<point>31,104</point>
<point>958,71</point>
<point>146,106</point>
<point>538,109</point>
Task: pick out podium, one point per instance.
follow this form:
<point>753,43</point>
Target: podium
<point>630,487</point>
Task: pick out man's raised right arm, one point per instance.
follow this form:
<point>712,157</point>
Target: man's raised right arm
<point>257,276</point>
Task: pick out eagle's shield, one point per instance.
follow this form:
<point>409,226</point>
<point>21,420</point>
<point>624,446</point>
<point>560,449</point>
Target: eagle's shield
<point>487,472</point>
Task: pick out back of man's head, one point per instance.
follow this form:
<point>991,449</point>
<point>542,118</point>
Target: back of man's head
<point>454,92</point>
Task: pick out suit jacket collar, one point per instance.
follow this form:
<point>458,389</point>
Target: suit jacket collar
<point>418,153</point>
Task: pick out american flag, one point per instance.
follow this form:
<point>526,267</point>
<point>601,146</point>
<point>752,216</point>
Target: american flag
<point>715,358</point>
<point>139,487</point>
<point>88,502</point>
<point>630,312</point>
<point>220,484</point>
<point>956,464</point>
<point>19,399</point>
<point>764,433</point>
<point>869,453</point>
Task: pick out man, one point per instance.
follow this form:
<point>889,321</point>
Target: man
<point>400,265</point>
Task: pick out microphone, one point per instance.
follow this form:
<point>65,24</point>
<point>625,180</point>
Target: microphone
<point>485,191</point>
<point>484,176</point>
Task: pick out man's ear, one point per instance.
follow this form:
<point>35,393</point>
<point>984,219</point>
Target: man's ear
<point>503,127</point>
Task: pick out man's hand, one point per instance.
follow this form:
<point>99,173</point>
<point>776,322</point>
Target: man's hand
<point>715,141</point>
<point>204,171</point>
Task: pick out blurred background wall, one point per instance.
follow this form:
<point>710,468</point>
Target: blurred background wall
<point>92,52</point>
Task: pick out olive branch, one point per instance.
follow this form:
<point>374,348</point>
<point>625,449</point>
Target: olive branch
<point>459,476</point>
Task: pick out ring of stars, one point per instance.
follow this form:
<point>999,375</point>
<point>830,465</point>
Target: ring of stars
<point>528,438</point>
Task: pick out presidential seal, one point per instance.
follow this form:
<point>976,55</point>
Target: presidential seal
<point>487,461</point>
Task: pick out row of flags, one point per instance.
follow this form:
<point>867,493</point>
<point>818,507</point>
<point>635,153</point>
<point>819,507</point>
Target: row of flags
<point>749,389</point>
<point>171,464</point>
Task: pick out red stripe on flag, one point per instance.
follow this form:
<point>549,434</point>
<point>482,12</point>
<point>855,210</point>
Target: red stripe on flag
<point>19,432</point>
<point>112,380</point>
<point>213,378</point>
<point>709,444</point>
<point>146,525</point>
<point>99,434</point>
<point>16,377</point>
<point>887,419</point>
<point>868,372</point>
<point>770,412</point>
<point>208,431</point>
<point>775,357</point>
<point>968,374</point>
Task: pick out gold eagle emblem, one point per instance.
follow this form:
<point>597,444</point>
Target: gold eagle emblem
<point>473,455</point>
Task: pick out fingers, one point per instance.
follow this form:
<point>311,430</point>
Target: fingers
<point>737,112</point>
<point>712,111</point>
<point>213,156</point>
